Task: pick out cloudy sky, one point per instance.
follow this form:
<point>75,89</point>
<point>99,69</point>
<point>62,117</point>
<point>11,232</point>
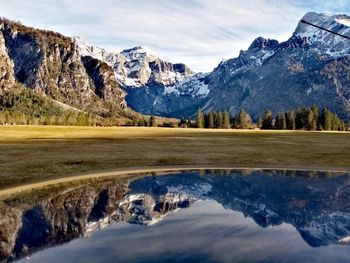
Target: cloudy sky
<point>199,33</point>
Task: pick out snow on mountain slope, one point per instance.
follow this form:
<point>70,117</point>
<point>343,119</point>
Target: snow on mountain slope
<point>309,68</point>
<point>136,67</point>
<point>196,86</point>
<point>325,42</point>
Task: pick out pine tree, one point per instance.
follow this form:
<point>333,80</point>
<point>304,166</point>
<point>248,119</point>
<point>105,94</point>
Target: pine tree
<point>152,121</point>
<point>267,120</point>
<point>226,120</point>
<point>211,120</point>
<point>200,119</point>
<point>219,119</point>
<point>243,120</point>
<point>315,121</point>
<point>326,119</point>
<point>281,121</point>
<point>311,124</point>
<point>301,118</point>
<point>260,122</point>
<point>290,120</point>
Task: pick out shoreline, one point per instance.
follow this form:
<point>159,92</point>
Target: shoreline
<point>154,169</point>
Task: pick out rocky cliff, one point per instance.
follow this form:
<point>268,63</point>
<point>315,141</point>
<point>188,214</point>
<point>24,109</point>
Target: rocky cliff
<point>7,78</point>
<point>50,64</point>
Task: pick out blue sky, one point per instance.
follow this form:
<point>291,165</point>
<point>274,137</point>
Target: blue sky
<point>199,33</point>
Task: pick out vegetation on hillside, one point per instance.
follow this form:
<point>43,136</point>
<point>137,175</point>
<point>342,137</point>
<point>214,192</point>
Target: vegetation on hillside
<point>26,107</point>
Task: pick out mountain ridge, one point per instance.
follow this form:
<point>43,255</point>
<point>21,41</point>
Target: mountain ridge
<point>310,68</point>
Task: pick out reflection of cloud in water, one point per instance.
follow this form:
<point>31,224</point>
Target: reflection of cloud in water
<point>205,232</point>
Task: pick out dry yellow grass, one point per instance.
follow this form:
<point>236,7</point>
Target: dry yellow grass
<point>36,153</point>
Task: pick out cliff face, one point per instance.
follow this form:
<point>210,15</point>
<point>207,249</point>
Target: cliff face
<point>50,64</point>
<point>7,78</point>
<point>103,78</point>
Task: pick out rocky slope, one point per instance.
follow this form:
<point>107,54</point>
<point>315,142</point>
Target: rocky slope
<point>7,78</point>
<point>311,67</point>
<point>153,86</point>
<point>137,67</point>
<point>50,64</point>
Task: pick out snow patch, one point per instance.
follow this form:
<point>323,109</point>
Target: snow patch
<point>344,21</point>
<point>194,86</point>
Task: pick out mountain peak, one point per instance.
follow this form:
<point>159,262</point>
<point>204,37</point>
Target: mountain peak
<point>324,41</point>
<point>315,17</point>
<point>139,50</point>
<point>339,23</point>
<point>262,42</point>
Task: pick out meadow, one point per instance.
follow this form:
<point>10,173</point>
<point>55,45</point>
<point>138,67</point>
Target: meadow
<point>36,153</point>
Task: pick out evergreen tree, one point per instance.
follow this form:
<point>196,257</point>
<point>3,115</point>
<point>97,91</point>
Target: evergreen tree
<point>326,119</point>
<point>243,120</point>
<point>226,120</point>
<point>301,118</point>
<point>152,121</point>
<point>281,121</point>
<point>267,120</point>
<point>315,121</point>
<point>219,120</point>
<point>260,122</point>
<point>311,124</point>
<point>211,120</point>
<point>290,120</point>
<point>200,119</point>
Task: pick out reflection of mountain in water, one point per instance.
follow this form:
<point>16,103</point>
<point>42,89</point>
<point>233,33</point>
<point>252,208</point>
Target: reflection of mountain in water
<point>64,216</point>
<point>318,208</point>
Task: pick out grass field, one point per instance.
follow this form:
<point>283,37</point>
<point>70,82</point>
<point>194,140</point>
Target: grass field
<point>36,153</point>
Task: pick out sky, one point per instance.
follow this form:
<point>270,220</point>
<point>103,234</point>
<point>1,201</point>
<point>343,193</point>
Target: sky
<point>199,33</point>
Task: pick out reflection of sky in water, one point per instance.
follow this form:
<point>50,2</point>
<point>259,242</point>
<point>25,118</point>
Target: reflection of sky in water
<point>205,232</point>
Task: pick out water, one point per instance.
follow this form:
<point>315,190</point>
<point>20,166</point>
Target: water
<point>191,216</point>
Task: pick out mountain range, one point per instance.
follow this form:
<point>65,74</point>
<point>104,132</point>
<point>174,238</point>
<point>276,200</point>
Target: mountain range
<point>311,68</point>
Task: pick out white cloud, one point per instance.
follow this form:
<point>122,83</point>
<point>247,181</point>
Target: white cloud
<point>197,32</point>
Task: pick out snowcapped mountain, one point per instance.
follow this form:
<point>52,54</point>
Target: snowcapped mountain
<point>326,43</point>
<point>311,67</point>
<point>136,67</point>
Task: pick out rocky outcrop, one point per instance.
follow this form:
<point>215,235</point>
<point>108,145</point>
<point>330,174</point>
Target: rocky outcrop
<point>7,78</point>
<point>106,86</point>
<point>49,63</point>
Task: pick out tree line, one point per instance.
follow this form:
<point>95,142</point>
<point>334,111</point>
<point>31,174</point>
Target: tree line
<point>223,120</point>
<point>28,108</point>
<point>306,118</point>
